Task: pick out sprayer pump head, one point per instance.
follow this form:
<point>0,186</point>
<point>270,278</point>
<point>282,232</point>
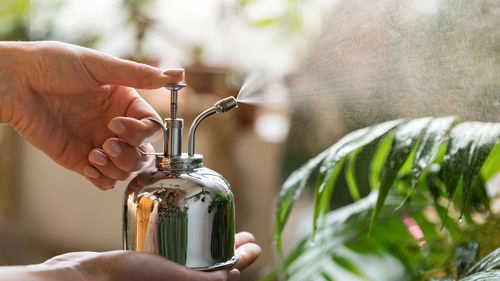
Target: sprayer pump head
<point>172,131</point>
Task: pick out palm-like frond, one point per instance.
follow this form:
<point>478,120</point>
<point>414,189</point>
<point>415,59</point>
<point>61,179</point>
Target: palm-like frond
<point>436,156</point>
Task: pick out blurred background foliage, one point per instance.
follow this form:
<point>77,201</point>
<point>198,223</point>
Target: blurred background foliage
<point>291,24</point>
<point>14,20</point>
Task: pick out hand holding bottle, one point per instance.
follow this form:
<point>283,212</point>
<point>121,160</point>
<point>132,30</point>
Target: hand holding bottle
<point>76,105</point>
<point>129,266</point>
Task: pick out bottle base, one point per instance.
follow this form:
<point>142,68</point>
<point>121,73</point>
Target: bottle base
<point>219,265</point>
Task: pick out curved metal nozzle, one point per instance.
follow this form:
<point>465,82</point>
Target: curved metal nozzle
<point>225,104</point>
<point>221,106</point>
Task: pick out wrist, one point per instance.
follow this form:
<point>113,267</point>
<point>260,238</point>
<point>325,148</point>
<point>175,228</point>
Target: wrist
<point>29,272</point>
<point>47,272</point>
<point>13,66</point>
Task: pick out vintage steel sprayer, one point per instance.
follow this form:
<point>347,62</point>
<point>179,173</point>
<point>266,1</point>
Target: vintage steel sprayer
<point>180,209</point>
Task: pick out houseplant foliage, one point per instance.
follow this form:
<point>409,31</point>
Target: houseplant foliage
<point>427,217</point>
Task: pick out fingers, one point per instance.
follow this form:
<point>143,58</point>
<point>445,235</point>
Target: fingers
<point>135,132</point>
<point>246,250</point>
<point>233,275</point>
<point>243,238</point>
<point>101,161</point>
<point>109,70</point>
<point>117,161</point>
<point>247,254</point>
<point>126,157</point>
<point>126,265</point>
<point>119,157</point>
<point>96,178</point>
<point>127,102</point>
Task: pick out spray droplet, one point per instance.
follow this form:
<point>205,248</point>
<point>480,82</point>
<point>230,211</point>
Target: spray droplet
<point>460,220</point>
<point>254,83</point>
<point>257,89</point>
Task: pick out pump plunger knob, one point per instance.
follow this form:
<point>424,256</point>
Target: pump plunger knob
<point>174,88</point>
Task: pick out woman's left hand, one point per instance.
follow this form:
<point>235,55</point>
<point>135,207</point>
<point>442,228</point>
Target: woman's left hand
<point>129,266</point>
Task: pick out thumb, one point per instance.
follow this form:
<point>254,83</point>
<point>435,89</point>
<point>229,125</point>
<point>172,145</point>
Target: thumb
<point>109,70</point>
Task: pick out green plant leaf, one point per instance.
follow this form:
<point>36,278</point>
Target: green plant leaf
<point>431,178</point>
<point>491,166</point>
<point>465,254</point>
<point>479,196</point>
<point>350,175</point>
<point>401,159</point>
<point>327,277</point>
<point>350,143</point>
<point>468,148</point>
<point>332,163</point>
<point>290,191</point>
<point>428,146</point>
<point>378,160</point>
<point>492,275</point>
<point>323,196</point>
<point>347,265</point>
<point>405,138</point>
<point>328,252</point>
<point>489,262</point>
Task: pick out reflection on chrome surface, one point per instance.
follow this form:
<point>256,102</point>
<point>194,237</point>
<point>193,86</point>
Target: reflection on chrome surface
<point>186,216</point>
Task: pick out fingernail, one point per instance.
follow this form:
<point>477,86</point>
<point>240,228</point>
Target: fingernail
<point>112,148</point>
<point>91,172</point>
<point>174,72</point>
<point>116,127</point>
<point>98,158</point>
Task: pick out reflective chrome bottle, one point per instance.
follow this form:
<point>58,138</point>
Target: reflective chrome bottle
<point>180,209</point>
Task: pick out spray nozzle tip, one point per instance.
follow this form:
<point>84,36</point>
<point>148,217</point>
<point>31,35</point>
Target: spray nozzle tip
<point>225,104</point>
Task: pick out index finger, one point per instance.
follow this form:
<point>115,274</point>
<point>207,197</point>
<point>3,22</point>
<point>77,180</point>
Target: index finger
<point>135,132</point>
<point>110,70</point>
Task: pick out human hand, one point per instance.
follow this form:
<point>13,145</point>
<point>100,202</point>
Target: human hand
<point>76,106</point>
<point>130,266</point>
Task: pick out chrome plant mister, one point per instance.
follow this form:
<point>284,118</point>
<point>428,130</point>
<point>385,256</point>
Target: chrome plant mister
<point>180,209</point>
